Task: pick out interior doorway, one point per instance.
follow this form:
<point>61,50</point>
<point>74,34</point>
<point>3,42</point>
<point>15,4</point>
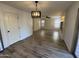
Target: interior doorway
<point>42,24</point>
<point>12,30</point>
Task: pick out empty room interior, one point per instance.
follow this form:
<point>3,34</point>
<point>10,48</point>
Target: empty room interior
<point>39,29</point>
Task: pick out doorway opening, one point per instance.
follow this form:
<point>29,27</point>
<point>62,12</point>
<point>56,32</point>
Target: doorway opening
<point>42,24</point>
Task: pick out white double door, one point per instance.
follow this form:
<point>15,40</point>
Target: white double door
<point>12,28</point>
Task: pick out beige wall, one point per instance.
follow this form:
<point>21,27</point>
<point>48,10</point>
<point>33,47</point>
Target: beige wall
<point>49,23</point>
<point>36,24</point>
<point>70,22</point>
<point>24,23</point>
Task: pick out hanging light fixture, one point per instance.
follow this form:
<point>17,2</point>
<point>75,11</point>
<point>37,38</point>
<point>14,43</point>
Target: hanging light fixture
<point>36,14</point>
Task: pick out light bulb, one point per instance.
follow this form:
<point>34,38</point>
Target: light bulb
<point>36,14</point>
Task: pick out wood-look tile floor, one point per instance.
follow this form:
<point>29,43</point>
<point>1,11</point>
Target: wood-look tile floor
<point>42,44</point>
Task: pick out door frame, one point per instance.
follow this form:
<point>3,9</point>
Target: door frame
<point>2,42</point>
<point>75,36</point>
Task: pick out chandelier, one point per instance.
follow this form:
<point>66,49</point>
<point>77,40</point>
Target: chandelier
<point>36,13</point>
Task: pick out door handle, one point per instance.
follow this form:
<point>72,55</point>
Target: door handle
<point>8,31</point>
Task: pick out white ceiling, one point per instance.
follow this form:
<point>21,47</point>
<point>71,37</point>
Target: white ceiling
<point>48,8</point>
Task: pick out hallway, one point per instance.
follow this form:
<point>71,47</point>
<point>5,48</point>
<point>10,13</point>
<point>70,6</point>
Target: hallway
<point>42,44</point>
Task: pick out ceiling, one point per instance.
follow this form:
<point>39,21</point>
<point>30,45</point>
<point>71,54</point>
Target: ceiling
<point>48,8</point>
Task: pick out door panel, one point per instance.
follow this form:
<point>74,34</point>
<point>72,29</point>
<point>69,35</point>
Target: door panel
<point>11,25</point>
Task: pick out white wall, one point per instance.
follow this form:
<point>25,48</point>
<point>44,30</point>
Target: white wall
<point>24,20</point>
<point>25,24</point>
<point>70,22</point>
